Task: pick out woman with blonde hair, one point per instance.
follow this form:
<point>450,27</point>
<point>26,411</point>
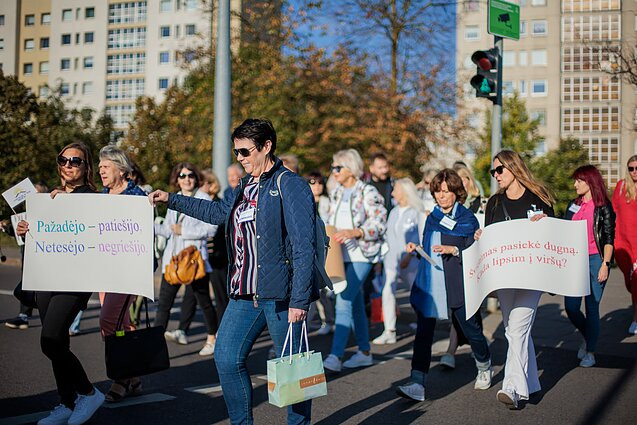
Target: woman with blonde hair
<point>473,193</point>
<point>625,206</point>
<point>404,225</point>
<point>520,196</point>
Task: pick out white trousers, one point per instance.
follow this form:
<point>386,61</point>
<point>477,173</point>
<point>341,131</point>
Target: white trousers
<point>389,299</point>
<point>518,314</point>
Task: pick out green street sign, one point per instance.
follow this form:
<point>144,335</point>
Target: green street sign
<point>504,19</point>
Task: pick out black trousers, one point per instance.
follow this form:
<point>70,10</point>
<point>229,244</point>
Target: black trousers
<point>218,278</point>
<point>57,312</point>
<point>200,291</point>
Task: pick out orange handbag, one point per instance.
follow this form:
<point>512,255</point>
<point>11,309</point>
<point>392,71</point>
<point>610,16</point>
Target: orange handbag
<point>185,267</point>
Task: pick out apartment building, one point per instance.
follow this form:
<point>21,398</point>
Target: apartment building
<point>557,68</point>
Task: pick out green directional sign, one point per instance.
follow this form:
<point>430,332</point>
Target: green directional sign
<point>504,19</point>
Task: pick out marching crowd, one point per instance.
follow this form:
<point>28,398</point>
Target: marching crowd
<point>257,241</point>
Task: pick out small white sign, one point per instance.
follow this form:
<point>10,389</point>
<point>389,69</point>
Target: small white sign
<point>18,193</point>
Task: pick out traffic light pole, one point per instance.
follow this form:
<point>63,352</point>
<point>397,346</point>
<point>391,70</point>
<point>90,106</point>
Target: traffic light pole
<point>222,106</point>
<point>496,117</point>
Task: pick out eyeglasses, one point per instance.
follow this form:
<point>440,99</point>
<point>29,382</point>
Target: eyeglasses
<point>186,176</point>
<point>631,169</point>
<point>497,170</point>
<point>336,168</point>
<point>245,152</point>
<point>314,181</point>
<point>74,161</point>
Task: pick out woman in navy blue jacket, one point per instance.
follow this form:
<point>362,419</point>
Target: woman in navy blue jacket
<point>270,238</point>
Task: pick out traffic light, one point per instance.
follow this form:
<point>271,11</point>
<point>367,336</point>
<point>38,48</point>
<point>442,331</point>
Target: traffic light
<point>486,80</point>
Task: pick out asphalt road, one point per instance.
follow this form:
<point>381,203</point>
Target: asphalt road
<point>189,392</point>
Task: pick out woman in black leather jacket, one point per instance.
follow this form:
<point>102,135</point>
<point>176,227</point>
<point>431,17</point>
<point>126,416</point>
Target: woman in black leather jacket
<point>592,204</point>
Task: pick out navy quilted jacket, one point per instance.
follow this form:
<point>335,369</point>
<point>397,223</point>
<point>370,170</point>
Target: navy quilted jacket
<point>285,236</point>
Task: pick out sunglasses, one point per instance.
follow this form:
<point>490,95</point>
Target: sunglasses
<point>497,170</point>
<point>74,161</point>
<point>336,168</point>
<point>245,152</point>
<point>631,169</point>
<point>314,181</point>
<point>186,176</point>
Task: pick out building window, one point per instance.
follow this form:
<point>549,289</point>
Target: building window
<point>538,2</point>
<point>539,28</point>
<point>87,87</point>
<point>77,38</point>
<point>1,43</point>
<point>177,28</point>
<point>540,115</point>
<point>126,38</point>
<point>88,37</point>
<point>191,4</point>
<point>507,87</point>
<point>28,68</point>
<point>508,58</point>
<point>590,89</point>
<point>590,5</point>
<point>44,43</point>
<point>43,91</point>
<point>164,31</point>
<point>120,114</point>
<point>66,39</point>
<point>472,32</point>
<point>67,15</point>
<point>163,83</point>
<point>522,89</point>
<point>540,148</point>
<point>471,5</point>
<point>29,44</point>
<point>523,58</point>
<point>29,20</point>
<point>538,57</point>
<point>591,27</point>
<point>126,89</point>
<point>64,89</point>
<point>1,19</point>
<point>586,58</point>
<point>122,13</point>
<point>522,28</point>
<point>190,29</point>
<point>45,19</point>
<point>65,64</point>
<point>164,5</point>
<point>590,119</point>
<point>538,88</point>
<point>89,12</point>
<point>126,63</point>
<point>164,57</point>
<point>44,67</point>
<point>88,62</point>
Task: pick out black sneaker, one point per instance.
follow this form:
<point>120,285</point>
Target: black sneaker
<point>17,323</point>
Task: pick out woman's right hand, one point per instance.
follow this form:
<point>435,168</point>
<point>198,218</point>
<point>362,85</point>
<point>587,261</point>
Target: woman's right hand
<point>411,247</point>
<point>157,196</point>
<point>55,192</point>
<point>477,234</point>
<point>22,228</point>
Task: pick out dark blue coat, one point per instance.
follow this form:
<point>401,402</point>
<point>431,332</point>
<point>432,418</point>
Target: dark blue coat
<point>285,236</point>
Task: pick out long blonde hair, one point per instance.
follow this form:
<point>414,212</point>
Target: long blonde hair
<point>411,193</point>
<point>464,172</point>
<point>631,194</point>
<point>513,162</point>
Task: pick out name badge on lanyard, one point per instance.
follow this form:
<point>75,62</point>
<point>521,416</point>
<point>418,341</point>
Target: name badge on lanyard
<point>534,211</point>
<point>247,215</point>
<point>574,208</point>
<point>447,222</point>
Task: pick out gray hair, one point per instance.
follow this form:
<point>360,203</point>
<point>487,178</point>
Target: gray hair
<point>350,159</point>
<point>237,167</point>
<point>411,193</point>
<point>118,157</point>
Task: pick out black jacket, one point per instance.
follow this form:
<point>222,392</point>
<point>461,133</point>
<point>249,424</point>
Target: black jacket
<point>603,225</point>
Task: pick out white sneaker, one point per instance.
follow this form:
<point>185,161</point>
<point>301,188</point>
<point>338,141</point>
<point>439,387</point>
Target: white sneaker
<point>632,329</point>
<point>483,380</point>
<point>59,415</point>
<point>413,391</point>
<point>588,360</point>
<point>85,407</point>
<point>581,352</point>
<point>508,398</point>
<point>208,349</point>
<point>332,363</point>
<point>325,329</point>
<point>387,337</point>
<point>359,360</point>
<point>177,336</point>
<point>448,360</point>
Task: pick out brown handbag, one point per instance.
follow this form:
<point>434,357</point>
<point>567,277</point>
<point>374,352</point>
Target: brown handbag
<point>185,267</point>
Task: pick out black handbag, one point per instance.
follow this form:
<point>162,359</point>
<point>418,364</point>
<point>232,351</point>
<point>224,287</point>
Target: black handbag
<point>26,298</point>
<point>136,353</point>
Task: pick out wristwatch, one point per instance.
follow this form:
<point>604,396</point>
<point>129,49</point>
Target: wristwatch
<point>607,264</point>
<point>456,252</point>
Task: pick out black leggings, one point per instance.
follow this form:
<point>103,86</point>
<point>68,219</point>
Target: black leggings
<point>200,288</point>
<point>57,312</point>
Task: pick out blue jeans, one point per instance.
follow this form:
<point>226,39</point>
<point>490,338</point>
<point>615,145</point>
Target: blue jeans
<point>350,310</point>
<point>241,325</point>
<point>75,326</point>
<point>588,325</point>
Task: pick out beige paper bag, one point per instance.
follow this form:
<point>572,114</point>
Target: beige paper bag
<point>334,263</point>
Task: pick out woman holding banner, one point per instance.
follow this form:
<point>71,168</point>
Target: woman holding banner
<point>439,284</point>
<point>78,398</point>
<point>625,205</point>
<point>520,196</point>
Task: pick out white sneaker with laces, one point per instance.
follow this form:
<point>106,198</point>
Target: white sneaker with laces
<point>508,398</point>
<point>588,360</point>
<point>359,360</point>
<point>483,380</point>
<point>59,415</point>
<point>581,352</point>
<point>448,360</point>
<point>177,336</point>
<point>85,407</point>
<point>413,391</point>
<point>333,363</point>
<point>387,337</point>
<point>208,349</point>
<point>632,329</point>
<point>325,329</point>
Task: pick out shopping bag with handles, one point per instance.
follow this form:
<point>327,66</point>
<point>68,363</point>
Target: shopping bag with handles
<point>296,377</point>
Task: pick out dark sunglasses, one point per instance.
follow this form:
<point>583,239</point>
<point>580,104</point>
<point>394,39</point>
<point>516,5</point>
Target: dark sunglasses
<point>74,161</point>
<point>186,176</point>
<point>245,152</point>
<point>631,169</point>
<point>314,181</point>
<point>497,170</point>
<point>336,168</point>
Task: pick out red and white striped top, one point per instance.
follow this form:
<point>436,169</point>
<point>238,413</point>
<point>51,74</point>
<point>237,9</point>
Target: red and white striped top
<point>243,280</point>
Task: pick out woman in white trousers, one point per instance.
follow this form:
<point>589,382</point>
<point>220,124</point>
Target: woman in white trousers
<point>520,196</point>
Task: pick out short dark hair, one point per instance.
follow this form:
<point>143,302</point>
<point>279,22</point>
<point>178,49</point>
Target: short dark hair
<point>259,131</point>
<point>315,175</point>
<point>377,155</point>
<point>177,169</point>
<point>454,184</point>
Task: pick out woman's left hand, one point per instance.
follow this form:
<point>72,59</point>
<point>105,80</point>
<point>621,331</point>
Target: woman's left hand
<point>296,315</point>
<point>443,249</point>
<point>538,217</point>
<point>342,235</point>
<point>602,275</point>
<point>176,228</point>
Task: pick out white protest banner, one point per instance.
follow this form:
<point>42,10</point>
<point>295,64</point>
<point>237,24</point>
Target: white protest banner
<point>17,194</point>
<point>549,255</point>
<point>15,219</point>
<point>89,243</point>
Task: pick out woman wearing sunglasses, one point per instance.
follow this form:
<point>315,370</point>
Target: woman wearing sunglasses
<point>181,232</point>
<point>520,196</point>
<point>269,219</point>
<point>592,204</point>
<point>625,205</point>
<point>358,212</point>
<point>78,398</point>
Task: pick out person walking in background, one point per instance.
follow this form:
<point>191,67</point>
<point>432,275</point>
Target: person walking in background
<point>78,398</point>
<point>592,204</point>
<point>520,196</point>
<point>182,232</point>
<point>290,161</point>
<point>424,191</point>
<point>470,185</point>
<point>625,206</point>
<point>404,225</point>
<point>380,178</point>
<point>449,230</point>
<point>357,211</point>
<point>235,174</point>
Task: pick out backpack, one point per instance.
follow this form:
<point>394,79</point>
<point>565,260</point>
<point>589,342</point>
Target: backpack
<point>320,279</point>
